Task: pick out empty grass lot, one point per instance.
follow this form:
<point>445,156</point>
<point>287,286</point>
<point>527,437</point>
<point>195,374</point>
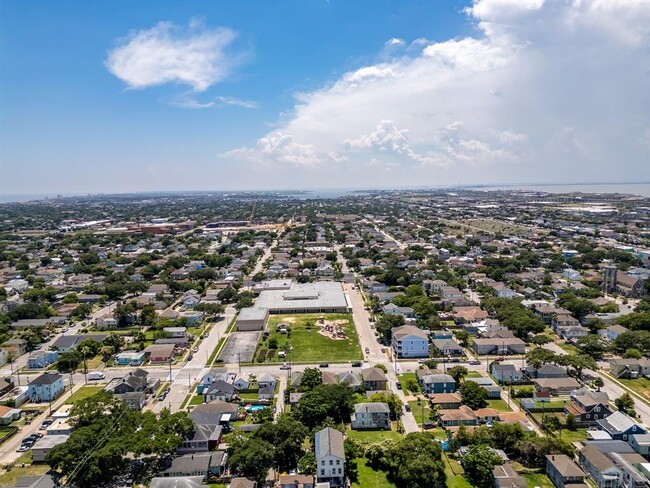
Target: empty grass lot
<point>373,436</point>
<point>10,477</point>
<point>539,479</point>
<point>640,385</point>
<point>406,378</point>
<point>83,393</point>
<point>499,405</point>
<point>368,477</point>
<point>307,344</point>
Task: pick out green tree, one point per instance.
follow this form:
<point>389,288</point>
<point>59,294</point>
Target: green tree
<point>307,464</point>
<point>598,382</point>
<point>625,402</point>
<point>287,436</point>
<point>540,339</point>
<point>251,458</point>
<point>416,462</point>
<point>458,373</point>
<point>463,337</point>
<point>633,354</point>
<point>473,395</point>
<point>478,463</point>
<point>311,378</point>
<point>393,401</point>
<point>592,345</point>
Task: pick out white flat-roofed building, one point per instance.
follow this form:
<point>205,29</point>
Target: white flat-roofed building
<point>320,297</point>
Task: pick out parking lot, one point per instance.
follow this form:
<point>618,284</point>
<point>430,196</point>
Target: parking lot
<point>240,347</point>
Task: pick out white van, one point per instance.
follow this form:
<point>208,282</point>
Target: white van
<point>96,375</point>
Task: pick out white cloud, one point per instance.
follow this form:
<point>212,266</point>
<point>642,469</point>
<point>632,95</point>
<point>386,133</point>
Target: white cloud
<point>237,102</point>
<point>545,90</point>
<point>279,147</point>
<point>190,100</point>
<point>167,53</point>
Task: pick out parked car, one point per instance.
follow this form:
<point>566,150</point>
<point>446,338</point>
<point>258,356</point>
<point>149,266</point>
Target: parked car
<point>358,364</point>
<point>162,397</point>
<point>285,366</point>
<point>323,365</point>
<point>500,358</point>
<point>398,385</point>
<point>190,357</point>
<point>367,350</point>
<point>96,375</point>
<point>428,425</point>
<point>475,362</point>
<point>407,407</point>
<point>195,350</point>
<point>205,336</point>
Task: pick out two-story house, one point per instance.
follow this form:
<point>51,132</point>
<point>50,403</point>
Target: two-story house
<point>588,407</point>
<point>371,416</point>
<point>438,383</point>
<point>374,379</point>
<point>330,457</point>
<point>45,388</point>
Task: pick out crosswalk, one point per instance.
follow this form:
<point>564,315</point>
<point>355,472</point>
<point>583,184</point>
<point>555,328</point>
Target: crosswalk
<point>188,375</point>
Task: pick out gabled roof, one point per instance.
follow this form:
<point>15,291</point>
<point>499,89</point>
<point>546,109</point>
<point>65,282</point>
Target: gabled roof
<point>618,422</point>
<point>377,407</point>
<point>373,374</point>
<point>329,442</point>
<point>46,379</point>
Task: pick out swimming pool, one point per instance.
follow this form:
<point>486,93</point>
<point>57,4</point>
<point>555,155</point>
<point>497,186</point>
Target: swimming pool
<point>253,408</point>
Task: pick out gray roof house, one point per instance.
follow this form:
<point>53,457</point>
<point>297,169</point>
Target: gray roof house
<point>371,416</point>
<point>330,457</point>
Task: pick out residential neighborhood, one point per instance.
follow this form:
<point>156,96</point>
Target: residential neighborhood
<point>283,342</point>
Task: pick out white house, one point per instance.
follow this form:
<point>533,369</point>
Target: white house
<point>330,457</point>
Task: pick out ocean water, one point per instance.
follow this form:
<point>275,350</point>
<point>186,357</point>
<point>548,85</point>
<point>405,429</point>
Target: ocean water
<point>641,189</point>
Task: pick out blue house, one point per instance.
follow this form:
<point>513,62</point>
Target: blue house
<point>620,426</point>
<point>46,388</point>
<point>130,358</point>
<point>41,359</point>
<point>438,383</point>
<point>409,341</point>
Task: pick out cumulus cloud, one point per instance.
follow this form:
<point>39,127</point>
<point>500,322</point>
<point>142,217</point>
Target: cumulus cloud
<point>192,55</point>
<point>544,90</point>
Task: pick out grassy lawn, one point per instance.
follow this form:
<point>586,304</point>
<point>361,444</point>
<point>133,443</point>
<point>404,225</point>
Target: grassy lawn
<point>454,472</point>
<point>368,477</point>
<point>9,478</point>
<point>573,435</point>
<point>196,400</point>
<point>83,393</point>
<point>499,405</point>
<point>549,405</point>
<point>420,415</point>
<point>474,374</point>
<point>307,344</point>
<point>569,348</point>
<point>249,397</point>
<point>406,378</point>
<point>539,479</point>
<point>373,436</point>
<point>640,385</point>
<point>94,363</point>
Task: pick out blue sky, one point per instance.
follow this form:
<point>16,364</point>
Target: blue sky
<point>315,94</point>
